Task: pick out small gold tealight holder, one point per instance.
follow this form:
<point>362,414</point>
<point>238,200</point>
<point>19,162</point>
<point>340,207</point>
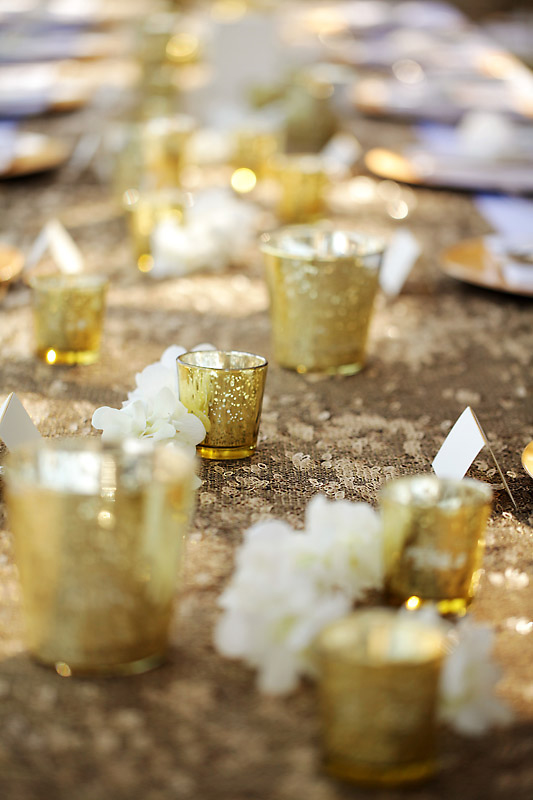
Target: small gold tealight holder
<point>99,536</point>
<point>379,675</point>
<point>145,211</point>
<point>322,284</point>
<point>68,313</point>
<point>302,183</point>
<point>434,534</point>
<point>225,390</point>
<point>165,141</point>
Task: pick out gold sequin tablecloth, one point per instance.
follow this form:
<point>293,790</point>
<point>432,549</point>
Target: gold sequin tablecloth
<point>197,728</point>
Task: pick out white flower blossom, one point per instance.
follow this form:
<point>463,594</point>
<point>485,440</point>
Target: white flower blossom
<point>153,409</point>
<point>467,702</point>
<point>217,230</point>
<point>163,373</point>
<point>468,679</point>
<point>288,585</point>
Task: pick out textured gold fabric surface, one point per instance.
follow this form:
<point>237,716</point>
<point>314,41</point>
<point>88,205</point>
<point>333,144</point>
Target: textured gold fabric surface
<point>197,727</point>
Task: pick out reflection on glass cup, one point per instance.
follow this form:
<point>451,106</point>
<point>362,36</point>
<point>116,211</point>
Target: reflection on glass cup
<point>302,183</point>
<point>322,284</point>
<point>147,210</point>
<point>225,390</point>
<point>434,533</point>
<point>68,313</point>
<point>379,674</point>
<point>99,537</point>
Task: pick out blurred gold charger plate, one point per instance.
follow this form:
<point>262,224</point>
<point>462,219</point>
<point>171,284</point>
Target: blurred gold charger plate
<point>527,459</point>
<point>473,262</point>
<point>35,152</point>
<point>11,264</point>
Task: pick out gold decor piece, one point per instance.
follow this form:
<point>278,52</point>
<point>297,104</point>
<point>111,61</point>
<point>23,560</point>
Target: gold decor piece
<point>165,140</point>
<point>99,538</point>
<point>254,147</point>
<point>379,675</point>
<point>302,184</point>
<point>68,312</point>
<point>145,211</point>
<point>322,284</point>
<point>434,534</point>
<point>527,459</point>
<point>225,390</point>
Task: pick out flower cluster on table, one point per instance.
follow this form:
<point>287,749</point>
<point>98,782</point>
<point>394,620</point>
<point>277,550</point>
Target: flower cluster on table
<point>289,584</point>
<point>153,409</point>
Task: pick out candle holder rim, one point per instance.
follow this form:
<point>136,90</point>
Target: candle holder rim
<point>480,492</point>
<point>182,360</point>
<point>129,447</point>
<point>348,655</point>
<point>72,280</point>
<point>270,243</point>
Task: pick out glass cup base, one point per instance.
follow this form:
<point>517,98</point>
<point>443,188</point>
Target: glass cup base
<point>104,670</point>
<point>446,606</point>
<point>379,774</point>
<point>341,369</point>
<point>225,453</point>
<point>52,356</point>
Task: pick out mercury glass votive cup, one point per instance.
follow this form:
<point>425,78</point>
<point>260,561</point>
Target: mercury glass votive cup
<point>99,539</point>
<point>145,211</point>
<point>302,183</point>
<point>68,313</point>
<point>225,390</point>
<point>434,538</point>
<point>322,285</point>
<point>378,684</point>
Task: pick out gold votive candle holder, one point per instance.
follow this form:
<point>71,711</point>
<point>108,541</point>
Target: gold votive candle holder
<point>322,285</point>
<point>225,390</point>
<point>434,538</point>
<point>145,211</point>
<point>302,183</point>
<point>378,683</point>
<point>165,141</point>
<point>254,147</point>
<point>68,312</point>
<point>99,539</point>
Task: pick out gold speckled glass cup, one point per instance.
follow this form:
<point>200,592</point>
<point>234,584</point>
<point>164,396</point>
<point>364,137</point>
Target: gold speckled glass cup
<point>68,313</point>
<point>379,675</point>
<point>434,537</point>
<point>225,390</point>
<point>99,536</point>
<point>302,183</point>
<point>322,285</point>
<point>145,211</point>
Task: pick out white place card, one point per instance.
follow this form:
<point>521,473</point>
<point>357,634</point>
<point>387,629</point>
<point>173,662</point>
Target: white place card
<point>398,261</point>
<point>16,426</point>
<point>62,248</point>
<point>463,443</point>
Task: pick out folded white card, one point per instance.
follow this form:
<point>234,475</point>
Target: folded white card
<point>16,426</point>
<point>463,443</point>
<point>461,446</point>
<point>398,261</point>
<point>61,246</point>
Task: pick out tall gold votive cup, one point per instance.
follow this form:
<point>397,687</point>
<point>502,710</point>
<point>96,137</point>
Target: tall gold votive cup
<point>379,675</point>
<point>302,183</point>
<point>225,390</point>
<point>322,285</point>
<point>68,314</point>
<point>434,534</point>
<point>99,537</point>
